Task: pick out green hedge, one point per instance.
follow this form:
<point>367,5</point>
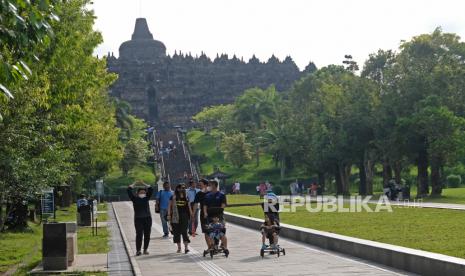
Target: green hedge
<point>454,181</point>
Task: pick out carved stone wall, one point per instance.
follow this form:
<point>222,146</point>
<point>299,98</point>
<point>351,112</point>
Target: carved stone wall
<point>170,89</point>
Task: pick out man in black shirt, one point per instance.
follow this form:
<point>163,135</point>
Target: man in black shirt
<point>142,215</point>
<point>199,203</point>
<point>214,204</point>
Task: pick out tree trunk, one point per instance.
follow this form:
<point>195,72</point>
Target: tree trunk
<point>283,167</point>
<point>362,188</point>
<point>346,176</point>
<point>257,154</point>
<point>321,181</point>
<point>398,172</point>
<point>342,175</point>
<point>387,172</point>
<point>337,178</point>
<point>2,220</point>
<point>436,179</point>
<point>369,172</point>
<point>422,164</point>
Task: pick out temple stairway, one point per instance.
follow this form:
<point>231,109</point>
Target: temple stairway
<point>176,164</point>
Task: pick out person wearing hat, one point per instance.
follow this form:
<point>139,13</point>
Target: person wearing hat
<point>142,215</point>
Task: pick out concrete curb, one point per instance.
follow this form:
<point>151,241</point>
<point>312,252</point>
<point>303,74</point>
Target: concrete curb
<point>134,264</point>
<point>407,259</point>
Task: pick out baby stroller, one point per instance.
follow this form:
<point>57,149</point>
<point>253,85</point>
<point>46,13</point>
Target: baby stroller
<point>270,231</point>
<point>270,228</point>
<point>216,230</point>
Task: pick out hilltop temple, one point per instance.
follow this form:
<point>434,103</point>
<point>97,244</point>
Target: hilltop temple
<point>168,90</point>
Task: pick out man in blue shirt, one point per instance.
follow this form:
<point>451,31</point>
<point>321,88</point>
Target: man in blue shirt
<point>162,202</point>
<point>194,220</point>
<point>82,201</point>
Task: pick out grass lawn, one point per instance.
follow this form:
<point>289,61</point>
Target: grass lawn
<point>434,230</point>
<point>25,248</point>
<point>88,244</point>
<point>450,195</point>
<point>243,199</point>
<point>15,247</point>
<point>248,175</point>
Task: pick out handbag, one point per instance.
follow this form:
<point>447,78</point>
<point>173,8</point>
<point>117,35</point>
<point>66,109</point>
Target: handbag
<point>157,203</point>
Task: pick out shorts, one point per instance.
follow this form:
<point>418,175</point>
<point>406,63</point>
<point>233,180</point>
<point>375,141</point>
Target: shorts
<point>217,236</point>
<point>208,221</point>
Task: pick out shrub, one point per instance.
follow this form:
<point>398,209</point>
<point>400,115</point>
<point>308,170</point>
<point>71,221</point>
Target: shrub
<point>454,181</point>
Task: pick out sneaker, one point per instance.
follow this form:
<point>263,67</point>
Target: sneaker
<point>146,252</point>
<point>179,250</point>
<point>165,236</point>
<point>186,251</point>
<point>138,253</point>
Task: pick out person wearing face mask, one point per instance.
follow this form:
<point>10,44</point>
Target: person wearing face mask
<point>142,215</point>
<point>198,205</point>
<point>178,215</point>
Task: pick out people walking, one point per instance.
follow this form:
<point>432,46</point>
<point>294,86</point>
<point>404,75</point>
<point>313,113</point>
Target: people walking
<point>194,219</point>
<point>178,215</point>
<point>142,215</point>
<point>199,203</point>
<point>262,189</point>
<point>162,204</point>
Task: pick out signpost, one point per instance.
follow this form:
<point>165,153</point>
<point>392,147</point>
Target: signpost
<point>94,217</point>
<point>48,204</point>
<point>99,188</point>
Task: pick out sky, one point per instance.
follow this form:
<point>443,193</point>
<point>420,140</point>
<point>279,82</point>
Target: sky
<point>322,31</point>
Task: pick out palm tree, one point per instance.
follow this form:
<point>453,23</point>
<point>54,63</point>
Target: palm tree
<point>252,108</point>
<point>123,118</point>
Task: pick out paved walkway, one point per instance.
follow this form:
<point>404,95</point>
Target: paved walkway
<point>118,260</point>
<point>244,245</point>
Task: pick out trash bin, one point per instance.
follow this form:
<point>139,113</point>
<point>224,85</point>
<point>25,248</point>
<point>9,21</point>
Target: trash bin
<point>54,246</point>
<point>84,215</point>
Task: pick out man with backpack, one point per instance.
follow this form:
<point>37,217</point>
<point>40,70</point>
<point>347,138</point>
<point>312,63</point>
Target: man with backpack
<point>162,205</point>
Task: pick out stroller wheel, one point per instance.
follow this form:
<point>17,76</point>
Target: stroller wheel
<point>212,253</point>
<point>284,252</point>
<point>277,252</point>
<point>226,252</point>
<point>205,253</point>
<point>262,253</point>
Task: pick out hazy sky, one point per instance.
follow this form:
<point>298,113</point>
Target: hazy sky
<point>322,31</point>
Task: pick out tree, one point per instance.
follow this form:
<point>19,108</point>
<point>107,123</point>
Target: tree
<point>23,25</point>
<point>252,108</point>
<point>124,121</point>
<point>429,82</point>
<point>279,136</point>
<point>135,153</point>
<point>61,126</point>
<point>236,150</point>
<point>212,116</point>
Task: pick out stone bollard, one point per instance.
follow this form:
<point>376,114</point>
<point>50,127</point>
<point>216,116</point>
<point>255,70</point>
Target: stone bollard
<point>54,246</point>
<point>71,242</point>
